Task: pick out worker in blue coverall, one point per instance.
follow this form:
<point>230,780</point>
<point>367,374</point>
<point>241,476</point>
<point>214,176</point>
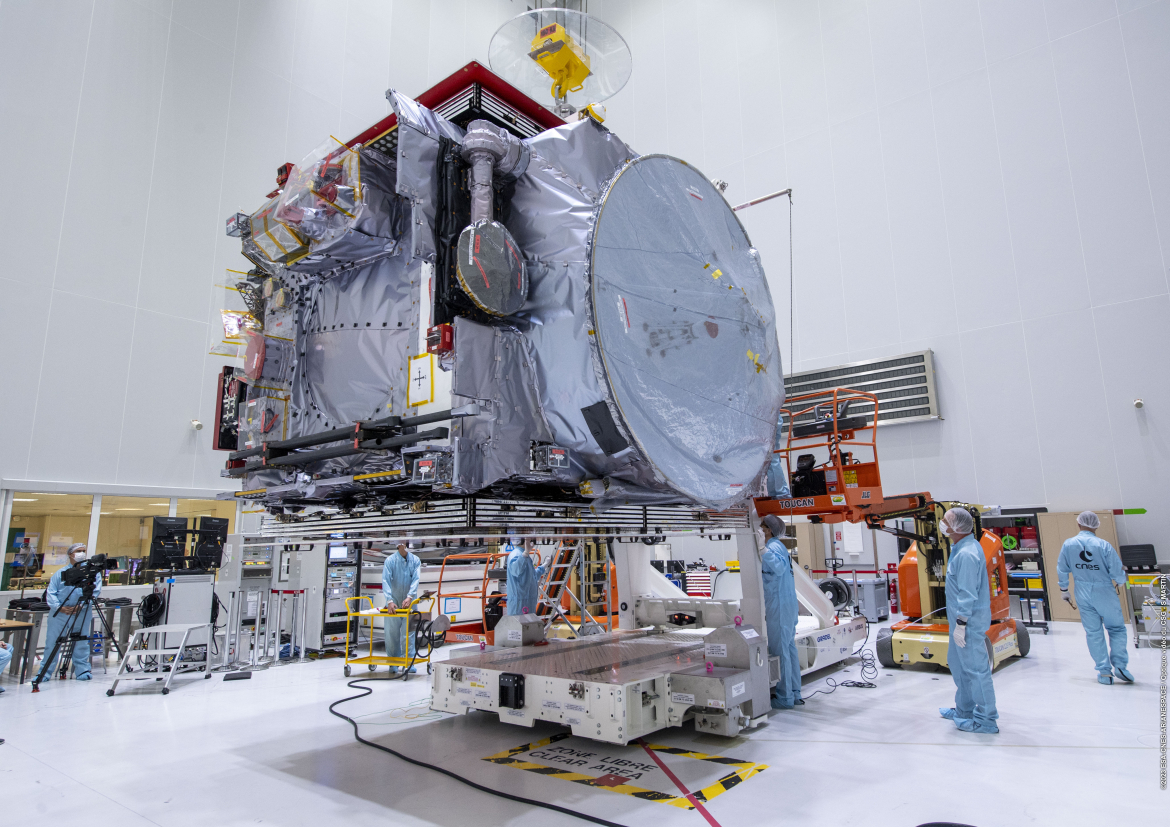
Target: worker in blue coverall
<point>969,616</point>
<point>1095,568</point>
<point>5,658</point>
<point>780,613</point>
<point>400,585</point>
<point>522,586</point>
<point>776,479</point>
<point>63,607</point>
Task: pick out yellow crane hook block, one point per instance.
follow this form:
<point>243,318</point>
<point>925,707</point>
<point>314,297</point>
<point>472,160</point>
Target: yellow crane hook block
<point>560,56</point>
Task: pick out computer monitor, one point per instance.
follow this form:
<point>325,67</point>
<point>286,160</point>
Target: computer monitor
<point>209,547</point>
<point>168,543</point>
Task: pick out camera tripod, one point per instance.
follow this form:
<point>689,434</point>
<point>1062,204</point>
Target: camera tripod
<point>72,634</point>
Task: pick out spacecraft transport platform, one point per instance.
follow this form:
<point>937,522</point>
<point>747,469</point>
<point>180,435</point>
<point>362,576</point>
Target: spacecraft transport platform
<point>619,686</point>
<point>673,658</point>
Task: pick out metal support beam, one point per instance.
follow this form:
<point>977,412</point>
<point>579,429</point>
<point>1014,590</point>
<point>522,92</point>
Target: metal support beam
<point>762,199</point>
<point>349,449</point>
<point>95,516</point>
<point>365,429</point>
<point>751,574</point>
<point>305,457</point>
<point>626,556</point>
<point>308,441</point>
<point>404,439</point>
<point>6,495</point>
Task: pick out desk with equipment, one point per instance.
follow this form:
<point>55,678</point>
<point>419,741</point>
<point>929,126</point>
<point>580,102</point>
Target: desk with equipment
<point>181,605</point>
<point>18,635</point>
<point>179,612</point>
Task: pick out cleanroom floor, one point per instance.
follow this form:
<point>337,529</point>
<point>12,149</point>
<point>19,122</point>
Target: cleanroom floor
<point>267,750</point>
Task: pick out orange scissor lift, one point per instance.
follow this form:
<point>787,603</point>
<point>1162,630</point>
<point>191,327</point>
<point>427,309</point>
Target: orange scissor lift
<point>474,630</point>
<point>846,487</point>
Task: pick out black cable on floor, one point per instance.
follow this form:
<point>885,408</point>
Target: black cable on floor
<point>520,799</point>
<point>869,671</point>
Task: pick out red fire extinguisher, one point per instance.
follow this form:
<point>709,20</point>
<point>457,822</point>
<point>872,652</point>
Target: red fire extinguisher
<point>893,581</point>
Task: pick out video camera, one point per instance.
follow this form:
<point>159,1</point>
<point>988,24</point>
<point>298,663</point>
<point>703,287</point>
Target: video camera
<point>86,573</point>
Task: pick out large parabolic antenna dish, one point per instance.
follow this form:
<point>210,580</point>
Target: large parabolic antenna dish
<point>514,51</point>
<point>685,328</point>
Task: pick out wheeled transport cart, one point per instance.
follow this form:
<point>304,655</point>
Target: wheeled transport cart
<point>356,613</point>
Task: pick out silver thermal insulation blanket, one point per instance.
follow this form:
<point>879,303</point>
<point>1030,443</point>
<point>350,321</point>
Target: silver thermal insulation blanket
<point>355,335</point>
<point>355,332</point>
<point>378,225</point>
<point>647,345</point>
<point>496,366</point>
<point>339,208</point>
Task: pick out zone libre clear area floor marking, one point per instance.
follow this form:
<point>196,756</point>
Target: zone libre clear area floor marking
<point>742,771</point>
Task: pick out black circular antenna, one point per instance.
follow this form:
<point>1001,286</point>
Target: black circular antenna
<point>490,268</point>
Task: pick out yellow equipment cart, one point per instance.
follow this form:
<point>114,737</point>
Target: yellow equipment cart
<point>355,611</point>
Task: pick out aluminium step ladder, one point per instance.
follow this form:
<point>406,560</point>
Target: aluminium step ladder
<point>569,557</point>
<point>177,661</point>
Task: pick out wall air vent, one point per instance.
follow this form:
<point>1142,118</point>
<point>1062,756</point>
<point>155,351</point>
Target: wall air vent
<point>904,386</point>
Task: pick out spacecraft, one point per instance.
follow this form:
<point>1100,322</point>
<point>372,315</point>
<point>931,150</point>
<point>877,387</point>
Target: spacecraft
<point>478,296</point>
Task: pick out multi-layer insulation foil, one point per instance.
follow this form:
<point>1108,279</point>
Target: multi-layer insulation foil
<point>338,208</point>
<point>645,347</point>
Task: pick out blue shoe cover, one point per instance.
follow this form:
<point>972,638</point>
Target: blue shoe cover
<point>947,712</point>
<point>1124,674</point>
<point>971,725</point>
<point>83,678</point>
<point>1105,679</point>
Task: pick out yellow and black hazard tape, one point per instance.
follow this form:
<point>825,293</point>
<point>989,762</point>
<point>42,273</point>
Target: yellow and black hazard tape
<point>746,769</point>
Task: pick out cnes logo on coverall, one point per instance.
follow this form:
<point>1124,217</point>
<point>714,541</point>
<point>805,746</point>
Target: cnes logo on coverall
<point>1087,557</point>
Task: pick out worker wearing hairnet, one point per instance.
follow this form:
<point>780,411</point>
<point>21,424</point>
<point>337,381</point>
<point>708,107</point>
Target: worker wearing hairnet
<point>969,616</point>
<point>780,613</point>
<point>1095,568</point>
<point>400,585</point>
<point>777,480</point>
<point>63,616</point>
<point>521,586</point>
